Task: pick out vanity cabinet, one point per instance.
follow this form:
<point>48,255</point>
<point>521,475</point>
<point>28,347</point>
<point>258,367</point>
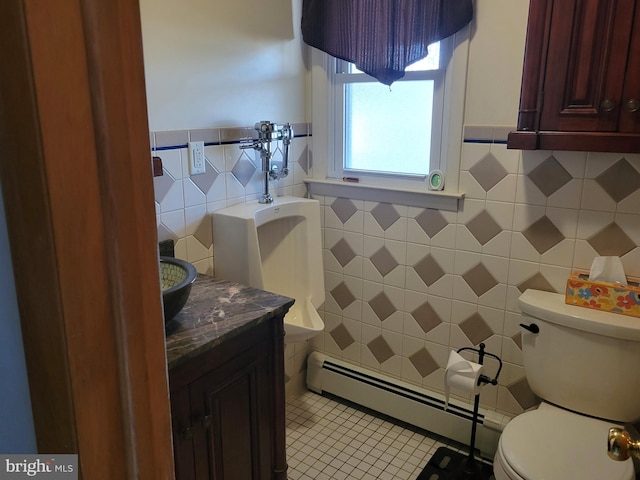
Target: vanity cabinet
<point>581,77</point>
<point>227,411</point>
<point>226,381</point>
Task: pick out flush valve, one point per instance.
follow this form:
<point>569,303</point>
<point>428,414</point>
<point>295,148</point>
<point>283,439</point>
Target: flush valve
<point>269,132</point>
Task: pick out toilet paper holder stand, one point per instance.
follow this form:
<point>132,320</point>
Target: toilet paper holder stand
<point>481,354</point>
<point>471,469</point>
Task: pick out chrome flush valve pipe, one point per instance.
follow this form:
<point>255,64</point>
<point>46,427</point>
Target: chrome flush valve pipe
<point>286,135</point>
<point>269,132</point>
<point>621,445</point>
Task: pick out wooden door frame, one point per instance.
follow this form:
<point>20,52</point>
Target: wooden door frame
<point>77,183</point>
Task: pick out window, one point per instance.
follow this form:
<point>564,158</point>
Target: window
<point>392,131</point>
<point>389,148</point>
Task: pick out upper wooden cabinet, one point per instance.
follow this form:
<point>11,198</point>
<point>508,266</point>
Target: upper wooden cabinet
<point>581,77</point>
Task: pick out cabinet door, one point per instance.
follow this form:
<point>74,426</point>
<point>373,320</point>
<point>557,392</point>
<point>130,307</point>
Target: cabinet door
<point>630,115</point>
<point>182,434</point>
<point>586,64</point>
<point>232,405</point>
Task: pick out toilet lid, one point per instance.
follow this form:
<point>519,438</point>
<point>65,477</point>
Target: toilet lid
<point>553,444</point>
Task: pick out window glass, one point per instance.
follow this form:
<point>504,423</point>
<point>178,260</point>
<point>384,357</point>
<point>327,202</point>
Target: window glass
<point>388,129</point>
<point>392,131</point>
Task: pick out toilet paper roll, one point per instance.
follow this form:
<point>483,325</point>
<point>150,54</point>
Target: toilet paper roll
<point>461,375</point>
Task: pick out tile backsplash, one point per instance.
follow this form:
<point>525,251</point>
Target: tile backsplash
<point>404,285</point>
<point>184,201</point>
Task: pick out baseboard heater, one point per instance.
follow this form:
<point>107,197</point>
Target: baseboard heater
<point>405,402</point>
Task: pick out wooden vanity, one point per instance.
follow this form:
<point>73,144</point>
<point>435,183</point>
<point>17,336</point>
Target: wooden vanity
<point>225,353</point>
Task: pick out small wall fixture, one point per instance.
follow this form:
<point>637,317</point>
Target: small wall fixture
<point>436,180</point>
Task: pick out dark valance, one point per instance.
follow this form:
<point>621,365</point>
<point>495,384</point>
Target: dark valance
<point>381,37</point>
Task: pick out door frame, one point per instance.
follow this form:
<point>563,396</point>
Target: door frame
<point>77,182</point>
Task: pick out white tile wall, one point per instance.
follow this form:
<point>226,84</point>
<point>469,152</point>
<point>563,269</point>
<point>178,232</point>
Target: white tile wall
<point>185,206</point>
<point>578,209</point>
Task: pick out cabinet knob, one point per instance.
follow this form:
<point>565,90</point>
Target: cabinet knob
<point>607,105</point>
<point>186,433</point>
<point>206,421</point>
<point>633,105</point>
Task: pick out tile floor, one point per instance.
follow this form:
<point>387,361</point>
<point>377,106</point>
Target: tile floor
<point>330,439</point>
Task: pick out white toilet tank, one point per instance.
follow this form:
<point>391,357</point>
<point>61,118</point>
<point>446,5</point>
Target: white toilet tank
<point>582,359</point>
<point>275,247</point>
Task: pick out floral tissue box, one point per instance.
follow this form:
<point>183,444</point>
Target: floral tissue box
<point>609,297</point>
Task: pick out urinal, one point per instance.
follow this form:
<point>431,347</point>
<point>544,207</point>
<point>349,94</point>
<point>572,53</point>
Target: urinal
<point>275,247</point>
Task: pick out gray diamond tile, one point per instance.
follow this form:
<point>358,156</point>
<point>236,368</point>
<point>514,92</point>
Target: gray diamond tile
<point>522,393</point>
<point>382,306</point>
<point>619,180</point>
<point>342,295</point>
<point>204,232</point>
<point>380,349</point>
<point>488,172</point>
<point>517,338</point>
<point>427,317</point>
<point>385,215</point>
<point>303,160</point>
<point>536,282</point>
<point>476,328</point>
<point>342,337</point>
<point>431,221</point>
<point>543,235</point>
<point>243,170</point>
<point>343,208</point>
<point>165,233</point>
<point>424,362</point>
<point>383,261</point>
<point>343,252</point>
<point>611,241</point>
<point>550,176</point>
<point>162,185</point>
<point>480,279</point>
<point>483,227</point>
<point>429,270</point>
<point>206,180</point>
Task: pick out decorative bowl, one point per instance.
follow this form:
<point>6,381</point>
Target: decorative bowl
<point>176,277</point>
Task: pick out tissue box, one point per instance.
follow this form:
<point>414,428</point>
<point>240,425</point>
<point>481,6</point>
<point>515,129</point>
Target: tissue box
<point>608,297</point>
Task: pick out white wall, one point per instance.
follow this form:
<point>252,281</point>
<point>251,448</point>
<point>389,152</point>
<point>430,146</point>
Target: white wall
<point>495,62</point>
<point>212,63</point>
<point>16,421</point>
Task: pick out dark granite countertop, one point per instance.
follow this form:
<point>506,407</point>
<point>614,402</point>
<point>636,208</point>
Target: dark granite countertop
<point>218,310</point>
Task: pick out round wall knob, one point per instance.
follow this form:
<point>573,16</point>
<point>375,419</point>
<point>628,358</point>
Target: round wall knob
<point>632,105</point>
<point>607,105</point>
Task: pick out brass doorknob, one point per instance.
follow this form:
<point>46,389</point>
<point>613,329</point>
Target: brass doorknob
<point>632,105</point>
<point>621,446</point>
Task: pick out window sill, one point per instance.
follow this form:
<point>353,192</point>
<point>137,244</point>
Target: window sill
<point>439,200</point>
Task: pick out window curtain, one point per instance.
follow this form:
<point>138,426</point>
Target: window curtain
<point>381,37</point>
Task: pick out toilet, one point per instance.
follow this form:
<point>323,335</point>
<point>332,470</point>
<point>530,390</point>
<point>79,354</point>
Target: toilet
<point>583,364</point>
<point>275,247</point>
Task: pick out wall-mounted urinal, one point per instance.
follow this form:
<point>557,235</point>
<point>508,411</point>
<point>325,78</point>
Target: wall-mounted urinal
<point>275,247</point>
